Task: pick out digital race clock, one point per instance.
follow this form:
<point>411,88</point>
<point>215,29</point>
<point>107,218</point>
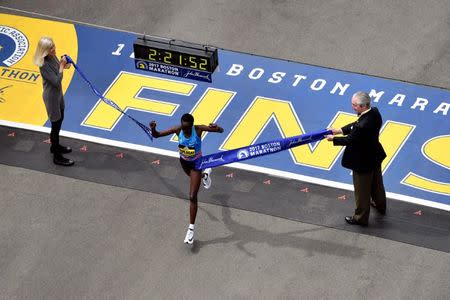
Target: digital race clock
<point>175,58</point>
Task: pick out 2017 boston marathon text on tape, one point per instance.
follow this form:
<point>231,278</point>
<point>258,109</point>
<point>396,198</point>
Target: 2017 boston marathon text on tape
<point>318,84</point>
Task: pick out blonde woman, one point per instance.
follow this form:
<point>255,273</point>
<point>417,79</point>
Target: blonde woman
<point>52,69</point>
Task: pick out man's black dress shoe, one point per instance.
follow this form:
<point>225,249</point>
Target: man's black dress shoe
<point>62,161</point>
<point>352,221</point>
<point>62,149</point>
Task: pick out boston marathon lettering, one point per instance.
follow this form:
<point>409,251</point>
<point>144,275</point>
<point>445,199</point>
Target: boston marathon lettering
<point>164,69</point>
<point>19,75</point>
<point>339,88</point>
<point>265,149</point>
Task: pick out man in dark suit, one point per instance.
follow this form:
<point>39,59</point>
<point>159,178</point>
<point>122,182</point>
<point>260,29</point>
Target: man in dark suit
<point>363,154</point>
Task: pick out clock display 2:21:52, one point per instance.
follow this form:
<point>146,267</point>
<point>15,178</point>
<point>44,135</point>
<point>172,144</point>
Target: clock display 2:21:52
<point>178,59</point>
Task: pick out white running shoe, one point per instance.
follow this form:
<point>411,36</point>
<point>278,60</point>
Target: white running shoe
<point>189,239</point>
<point>206,178</point>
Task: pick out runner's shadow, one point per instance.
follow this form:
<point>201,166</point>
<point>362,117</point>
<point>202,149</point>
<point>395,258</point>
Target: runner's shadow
<point>241,235</point>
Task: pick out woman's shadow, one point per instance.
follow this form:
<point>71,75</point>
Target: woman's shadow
<point>244,234</point>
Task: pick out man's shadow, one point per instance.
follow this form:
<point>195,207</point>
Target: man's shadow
<point>244,234</point>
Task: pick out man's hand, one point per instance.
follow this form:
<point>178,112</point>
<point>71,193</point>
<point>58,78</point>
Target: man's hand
<point>335,130</point>
<point>152,125</point>
<point>329,137</point>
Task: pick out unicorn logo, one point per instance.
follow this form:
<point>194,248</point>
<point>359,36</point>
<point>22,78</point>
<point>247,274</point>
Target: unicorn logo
<point>141,65</point>
<point>243,154</point>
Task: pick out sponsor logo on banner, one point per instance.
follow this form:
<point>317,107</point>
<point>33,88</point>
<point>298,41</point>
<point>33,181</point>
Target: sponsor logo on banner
<point>219,158</point>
